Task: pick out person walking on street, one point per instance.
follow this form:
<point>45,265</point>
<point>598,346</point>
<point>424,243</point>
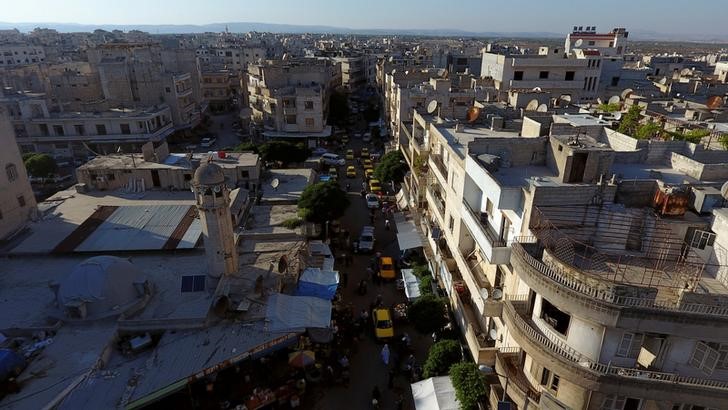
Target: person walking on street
<point>385,354</point>
<point>386,224</point>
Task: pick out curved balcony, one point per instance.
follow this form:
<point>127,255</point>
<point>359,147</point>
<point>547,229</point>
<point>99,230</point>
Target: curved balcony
<point>600,302</point>
<point>517,386</point>
<point>561,358</point>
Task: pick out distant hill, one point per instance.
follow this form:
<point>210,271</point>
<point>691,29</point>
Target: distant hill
<point>243,27</point>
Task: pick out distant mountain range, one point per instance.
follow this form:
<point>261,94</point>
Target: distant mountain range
<point>243,27</point>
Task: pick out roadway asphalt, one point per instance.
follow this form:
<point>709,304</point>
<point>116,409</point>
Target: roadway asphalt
<point>367,369</point>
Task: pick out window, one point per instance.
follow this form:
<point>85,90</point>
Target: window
<point>451,224</point>
<point>701,239</point>
<point>21,201</point>
<point>518,75</point>
<point>555,318</point>
<point>12,172</point>
<point>58,130</point>
<point>100,129</point>
<point>630,345</point>
<point>309,122</point>
<point>614,402</point>
<point>615,81</point>
<point>545,376</point>
<point>704,357</point>
<point>1,215</point>
<point>44,129</point>
<point>561,147</point>
<point>722,349</point>
<point>543,75</point>
<point>308,105</point>
<point>554,386</point>
<point>193,283</point>
<point>80,129</point>
<point>489,208</point>
<point>125,129</point>
<point>167,89</point>
<point>569,76</point>
<point>591,43</point>
<point>244,174</point>
<point>290,119</point>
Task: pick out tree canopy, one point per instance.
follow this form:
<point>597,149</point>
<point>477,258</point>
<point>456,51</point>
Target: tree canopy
<point>441,356</point>
<point>630,120</point>
<point>468,383</point>
<point>283,152</point>
<point>428,314</point>
<point>391,167</point>
<point>323,201</point>
<point>40,165</point>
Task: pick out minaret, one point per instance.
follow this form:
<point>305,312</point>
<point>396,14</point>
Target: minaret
<point>213,203</point>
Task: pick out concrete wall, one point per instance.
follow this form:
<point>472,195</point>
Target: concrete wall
<point>14,214</point>
<point>518,151</point>
<point>533,128</point>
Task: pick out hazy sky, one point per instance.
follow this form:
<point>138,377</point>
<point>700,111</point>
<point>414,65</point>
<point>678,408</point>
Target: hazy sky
<point>664,16</point>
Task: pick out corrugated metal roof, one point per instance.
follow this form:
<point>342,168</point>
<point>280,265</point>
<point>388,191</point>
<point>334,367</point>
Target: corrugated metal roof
<point>140,228</point>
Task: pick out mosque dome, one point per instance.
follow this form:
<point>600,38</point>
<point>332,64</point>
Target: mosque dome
<point>208,173</point>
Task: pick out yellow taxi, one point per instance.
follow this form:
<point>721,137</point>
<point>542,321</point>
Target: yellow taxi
<point>386,268</point>
<point>345,139</point>
<point>350,154</point>
<point>350,171</point>
<point>368,163</point>
<point>365,152</point>
<point>374,185</point>
<point>383,327</point>
<point>333,173</point>
<point>369,172</point>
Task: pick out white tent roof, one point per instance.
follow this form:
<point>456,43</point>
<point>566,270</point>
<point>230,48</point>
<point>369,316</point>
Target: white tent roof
<point>435,393</point>
<point>411,284</point>
<point>407,235</point>
<point>320,277</point>
<point>295,313</point>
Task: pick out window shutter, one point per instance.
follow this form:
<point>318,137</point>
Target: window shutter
<point>634,350</point>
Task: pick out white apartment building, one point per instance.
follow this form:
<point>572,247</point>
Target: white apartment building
<point>610,47</point>
<point>17,202</point>
<point>570,268</point>
<point>20,54</point>
<point>289,99</point>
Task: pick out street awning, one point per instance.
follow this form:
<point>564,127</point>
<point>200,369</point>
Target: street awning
<point>407,235</point>
<point>402,198</point>
<point>411,284</point>
<point>435,393</point>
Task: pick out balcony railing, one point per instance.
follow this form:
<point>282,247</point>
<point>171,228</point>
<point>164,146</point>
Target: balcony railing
<point>600,297</point>
<point>437,201</point>
<point>437,161</point>
<point>486,228</point>
<point>513,310</point>
<point>507,360</point>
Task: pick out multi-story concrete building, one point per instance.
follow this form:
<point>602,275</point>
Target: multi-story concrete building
<point>217,89</point>
<point>17,202</point>
<point>609,47</point>
<point>20,54</point>
<point>582,264</point>
<point>289,99</point>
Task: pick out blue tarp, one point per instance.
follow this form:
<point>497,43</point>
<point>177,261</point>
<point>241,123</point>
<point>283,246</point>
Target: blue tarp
<point>317,283</point>
<point>11,363</point>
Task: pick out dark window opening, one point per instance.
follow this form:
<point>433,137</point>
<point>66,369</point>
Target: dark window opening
<point>557,319</point>
<point>543,75</point>
<point>569,76</point>
<point>518,75</point>
<point>632,404</point>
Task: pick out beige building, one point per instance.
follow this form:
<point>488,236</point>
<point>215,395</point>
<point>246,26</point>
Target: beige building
<point>570,267</point>
<point>20,54</point>
<point>17,202</point>
<point>217,89</point>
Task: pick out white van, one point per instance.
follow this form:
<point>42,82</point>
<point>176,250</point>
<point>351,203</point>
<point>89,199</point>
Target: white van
<point>332,159</point>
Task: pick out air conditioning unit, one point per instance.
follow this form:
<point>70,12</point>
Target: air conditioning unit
<point>704,199</point>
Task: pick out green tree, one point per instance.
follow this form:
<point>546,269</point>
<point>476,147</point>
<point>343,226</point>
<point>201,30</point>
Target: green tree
<point>648,131</point>
<point>441,356</point>
<point>468,383</point>
<point>723,139</point>
<point>696,135</point>
<point>321,202</point>
<point>391,167</point>
<point>284,152</point>
<point>426,286</point>
<point>40,165</point>
<point>609,107</point>
<point>338,108</point>
<point>246,146</point>
<point>630,120</point>
<point>428,314</point>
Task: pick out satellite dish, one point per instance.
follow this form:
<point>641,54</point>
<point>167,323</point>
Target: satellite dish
<point>536,89</point>
<point>472,115</point>
<point>714,101</point>
<point>532,105</point>
<point>484,293</point>
<point>599,101</point>
<point>216,188</point>
<point>542,108</point>
<point>724,190</point>
<point>497,294</point>
<point>274,183</point>
<point>578,43</point>
<point>614,99</point>
<point>663,80</point>
<point>618,116</point>
<point>493,334</point>
<point>431,106</point>
<point>441,73</point>
<point>686,71</point>
<point>626,93</point>
<point>566,98</point>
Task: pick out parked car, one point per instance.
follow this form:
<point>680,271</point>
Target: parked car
<point>333,173</point>
<point>190,147</point>
<point>386,268</point>
<point>332,159</point>
<point>366,137</point>
<point>319,151</point>
<point>368,163</point>
<point>375,186</point>
<point>366,240</point>
<point>350,171</point>
<point>372,201</point>
<point>368,172</point>
<point>350,154</point>
<point>383,327</point>
<point>345,139</point>
<point>208,142</point>
<point>365,153</point>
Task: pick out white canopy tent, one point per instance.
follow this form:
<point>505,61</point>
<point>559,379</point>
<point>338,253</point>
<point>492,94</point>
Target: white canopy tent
<point>407,235</point>
<point>435,393</point>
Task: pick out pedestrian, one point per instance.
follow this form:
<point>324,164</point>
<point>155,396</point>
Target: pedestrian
<point>386,224</point>
<point>385,354</point>
<point>391,378</point>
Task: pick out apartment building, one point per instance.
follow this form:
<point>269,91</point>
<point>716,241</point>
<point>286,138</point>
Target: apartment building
<point>587,267</point>
<point>20,54</point>
<point>289,98</point>
<point>353,71</point>
<point>609,47</point>
<point>217,89</point>
<point>78,135</point>
<point>17,201</point>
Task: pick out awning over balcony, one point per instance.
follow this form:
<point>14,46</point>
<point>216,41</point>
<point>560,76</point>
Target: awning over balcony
<point>435,393</point>
<point>402,198</point>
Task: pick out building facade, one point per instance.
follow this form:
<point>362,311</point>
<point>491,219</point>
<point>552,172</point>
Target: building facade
<point>17,201</point>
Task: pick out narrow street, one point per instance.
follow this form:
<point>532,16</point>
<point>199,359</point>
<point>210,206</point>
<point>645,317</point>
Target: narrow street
<point>367,368</point>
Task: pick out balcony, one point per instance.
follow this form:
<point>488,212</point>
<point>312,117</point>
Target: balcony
<point>436,165</point>
<point>185,92</point>
<point>290,110</point>
<point>545,347</point>
<point>481,348</point>
<point>517,385</point>
<point>437,202</point>
<point>494,249</point>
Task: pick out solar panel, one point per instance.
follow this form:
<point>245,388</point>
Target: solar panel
<point>193,283</point>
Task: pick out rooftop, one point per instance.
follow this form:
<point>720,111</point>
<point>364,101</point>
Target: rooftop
<point>174,160</point>
<point>459,139</point>
<point>291,183</point>
<point>581,120</point>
